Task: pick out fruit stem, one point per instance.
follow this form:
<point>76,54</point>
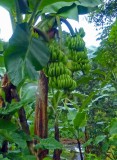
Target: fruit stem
<point>59,29</point>
<point>68,25</point>
<point>38,2</point>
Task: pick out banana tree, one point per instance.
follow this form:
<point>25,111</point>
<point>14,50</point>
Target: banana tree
<point>27,52</point>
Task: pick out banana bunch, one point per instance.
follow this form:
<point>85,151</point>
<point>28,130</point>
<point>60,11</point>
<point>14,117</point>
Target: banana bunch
<point>60,76</point>
<point>56,69</point>
<point>56,54</point>
<point>78,59</point>
<point>63,81</point>
<point>73,66</point>
<point>76,55</point>
<point>75,42</point>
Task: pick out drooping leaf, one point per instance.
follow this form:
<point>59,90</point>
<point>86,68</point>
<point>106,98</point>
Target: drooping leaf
<point>69,12</point>
<point>87,143</point>
<point>99,139</point>
<point>89,3</point>
<point>55,7</point>
<point>46,3</point>
<point>49,143</point>
<point>25,56</point>
<point>14,64</point>
<point>86,3</point>
<point>67,8</point>
<point>80,120</point>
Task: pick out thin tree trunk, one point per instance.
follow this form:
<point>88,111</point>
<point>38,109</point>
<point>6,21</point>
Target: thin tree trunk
<point>41,120</point>
<point>87,149</point>
<point>80,151</point>
<point>57,152</point>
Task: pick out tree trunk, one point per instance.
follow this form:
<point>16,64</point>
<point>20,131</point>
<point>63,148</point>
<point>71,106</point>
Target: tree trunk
<point>80,151</point>
<point>57,152</point>
<point>41,120</point>
<point>11,93</point>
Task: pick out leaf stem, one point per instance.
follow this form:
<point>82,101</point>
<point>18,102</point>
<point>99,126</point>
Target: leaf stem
<point>12,20</point>
<point>18,14</point>
<point>34,12</point>
<point>68,25</point>
<point>59,29</point>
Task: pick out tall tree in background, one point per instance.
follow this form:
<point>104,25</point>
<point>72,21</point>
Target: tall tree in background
<point>104,16</point>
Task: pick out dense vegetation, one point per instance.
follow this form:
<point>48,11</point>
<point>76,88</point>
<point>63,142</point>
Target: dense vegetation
<point>52,88</point>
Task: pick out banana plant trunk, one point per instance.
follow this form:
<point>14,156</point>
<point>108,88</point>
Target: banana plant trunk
<point>41,120</point>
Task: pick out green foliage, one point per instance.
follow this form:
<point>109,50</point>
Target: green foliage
<point>29,90</point>
<point>6,124</point>
<point>104,17</point>
<point>99,139</point>
<point>25,55</point>
<point>48,143</point>
<point>1,45</point>
<point>86,110</point>
<point>56,99</point>
<point>80,120</point>
<point>20,156</point>
<point>2,158</point>
<point>105,13</point>
<point>1,61</point>
<point>47,158</point>
<point>88,3</point>
<point>69,9</point>
<point>113,127</point>
<point>9,5</point>
<point>14,107</point>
